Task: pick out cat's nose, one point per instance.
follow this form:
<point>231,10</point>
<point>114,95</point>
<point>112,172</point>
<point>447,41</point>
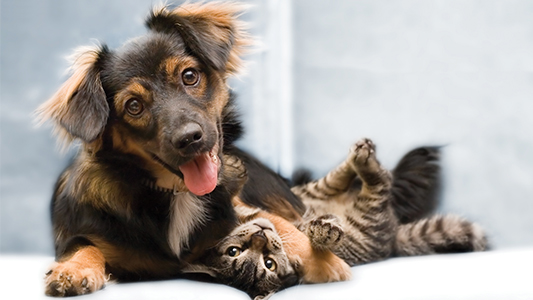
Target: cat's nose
<point>259,240</point>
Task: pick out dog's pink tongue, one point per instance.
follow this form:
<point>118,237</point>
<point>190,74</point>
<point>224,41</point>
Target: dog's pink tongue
<point>200,174</point>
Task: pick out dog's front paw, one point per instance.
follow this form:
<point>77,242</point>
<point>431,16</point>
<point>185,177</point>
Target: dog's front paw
<point>325,232</point>
<point>70,279</point>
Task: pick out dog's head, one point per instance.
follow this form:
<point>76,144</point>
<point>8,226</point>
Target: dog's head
<point>160,96</point>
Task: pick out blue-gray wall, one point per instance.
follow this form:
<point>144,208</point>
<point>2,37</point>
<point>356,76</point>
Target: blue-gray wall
<point>413,72</point>
<point>405,73</point>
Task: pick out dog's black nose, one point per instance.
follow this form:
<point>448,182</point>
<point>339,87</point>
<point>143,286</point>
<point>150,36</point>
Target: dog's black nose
<point>187,137</point>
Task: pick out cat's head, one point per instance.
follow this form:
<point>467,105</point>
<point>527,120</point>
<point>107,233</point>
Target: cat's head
<point>251,258</point>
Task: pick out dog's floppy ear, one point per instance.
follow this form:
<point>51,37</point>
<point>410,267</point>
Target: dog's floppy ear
<point>210,31</point>
<point>79,108</point>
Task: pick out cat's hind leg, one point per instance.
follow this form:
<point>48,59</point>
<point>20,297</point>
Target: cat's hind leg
<point>336,182</point>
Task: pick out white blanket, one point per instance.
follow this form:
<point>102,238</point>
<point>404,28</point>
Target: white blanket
<point>502,274</point>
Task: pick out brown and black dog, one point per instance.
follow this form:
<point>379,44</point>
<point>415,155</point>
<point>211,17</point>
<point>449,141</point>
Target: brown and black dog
<point>149,189</point>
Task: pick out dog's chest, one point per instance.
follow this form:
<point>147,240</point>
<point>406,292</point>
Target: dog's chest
<point>187,212</point>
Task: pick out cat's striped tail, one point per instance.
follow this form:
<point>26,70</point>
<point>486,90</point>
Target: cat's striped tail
<point>439,234</point>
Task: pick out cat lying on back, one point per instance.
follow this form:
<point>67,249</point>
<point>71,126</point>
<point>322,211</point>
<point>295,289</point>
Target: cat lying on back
<point>350,213</point>
<point>359,224</point>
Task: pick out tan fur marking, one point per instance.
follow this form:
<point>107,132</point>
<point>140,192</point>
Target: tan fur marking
<point>127,259</point>
<point>174,66</point>
<point>135,90</point>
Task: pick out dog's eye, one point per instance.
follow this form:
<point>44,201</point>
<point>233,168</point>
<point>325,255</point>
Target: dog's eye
<point>270,264</point>
<point>233,251</point>
<point>190,76</point>
<point>134,107</point>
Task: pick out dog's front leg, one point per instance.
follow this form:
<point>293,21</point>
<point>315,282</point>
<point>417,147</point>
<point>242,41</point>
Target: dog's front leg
<point>82,273</point>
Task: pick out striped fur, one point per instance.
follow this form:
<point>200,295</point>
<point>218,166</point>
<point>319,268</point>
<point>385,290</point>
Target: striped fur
<point>439,234</point>
<point>359,224</point>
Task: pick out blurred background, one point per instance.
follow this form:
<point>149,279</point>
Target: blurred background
<point>457,73</point>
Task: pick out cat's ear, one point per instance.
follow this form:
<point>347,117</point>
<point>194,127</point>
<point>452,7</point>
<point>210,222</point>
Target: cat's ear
<point>199,268</point>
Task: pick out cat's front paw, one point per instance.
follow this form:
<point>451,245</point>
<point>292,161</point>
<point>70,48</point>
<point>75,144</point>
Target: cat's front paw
<point>234,174</point>
<point>365,164</point>
<point>71,279</point>
<point>363,152</point>
<point>234,167</point>
<point>325,232</point>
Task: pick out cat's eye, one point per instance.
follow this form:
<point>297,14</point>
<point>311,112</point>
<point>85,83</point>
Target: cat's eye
<point>134,107</point>
<point>190,76</point>
<point>233,251</point>
<point>270,264</point>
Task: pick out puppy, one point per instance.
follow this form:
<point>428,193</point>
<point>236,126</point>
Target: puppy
<point>149,190</point>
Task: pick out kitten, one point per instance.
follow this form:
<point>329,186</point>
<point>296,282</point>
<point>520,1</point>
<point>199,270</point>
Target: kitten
<point>351,212</point>
<point>358,221</point>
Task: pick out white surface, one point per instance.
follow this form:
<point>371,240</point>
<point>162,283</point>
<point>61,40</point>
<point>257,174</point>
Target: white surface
<point>503,274</point>
<point>22,277</point>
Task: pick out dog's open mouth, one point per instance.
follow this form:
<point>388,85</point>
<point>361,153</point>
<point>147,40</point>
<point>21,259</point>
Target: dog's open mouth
<point>201,173</point>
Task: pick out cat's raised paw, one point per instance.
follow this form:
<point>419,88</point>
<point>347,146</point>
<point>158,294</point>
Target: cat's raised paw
<point>363,158</point>
<point>362,151</point>
<point>325,232</point>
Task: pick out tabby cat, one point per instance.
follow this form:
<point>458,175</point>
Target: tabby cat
<point>353,212</point>
<point>358,223</point>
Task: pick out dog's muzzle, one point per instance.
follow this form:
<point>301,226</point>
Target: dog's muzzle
<point>188,139</point>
